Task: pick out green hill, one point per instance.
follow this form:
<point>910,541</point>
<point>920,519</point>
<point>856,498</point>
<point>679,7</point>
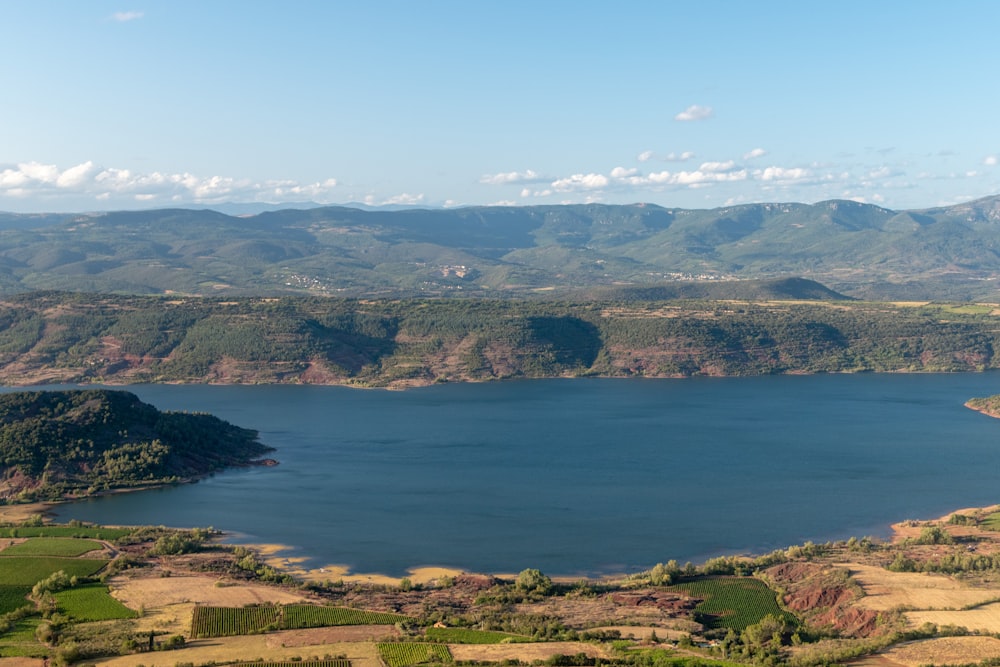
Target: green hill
<point>504,251</point>
<point>57,442</point>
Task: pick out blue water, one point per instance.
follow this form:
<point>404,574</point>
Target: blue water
<point>582,476</point>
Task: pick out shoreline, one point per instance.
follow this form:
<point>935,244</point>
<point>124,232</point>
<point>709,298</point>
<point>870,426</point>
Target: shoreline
<point>282,557</point>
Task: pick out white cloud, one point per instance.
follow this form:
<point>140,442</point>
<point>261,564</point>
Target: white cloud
<point>717,166</point>
<point>124,17</point>
<point>782,175</point>
<point>644,156</point>
<point>405,199</point>
<point>513,178</point>
<point>990,160</point>
<point>679,157</point>
<point>88,180</point>
<point>580,182</point>
<point>622,172</point>
<point>755,153</point>
<point>694,112</point>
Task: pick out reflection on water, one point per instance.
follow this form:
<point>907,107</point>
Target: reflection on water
<point>581,476</point>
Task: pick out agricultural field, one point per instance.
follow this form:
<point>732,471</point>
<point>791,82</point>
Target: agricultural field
<point>13,597</point>
<point>340,662</point>
<point>991,521</point>
<point>91,602</point>
<point>208,621</point>
<point>232,621</point>
<point>26,571</point>
<point>405,654</point>
<point>734,602</point>
<point>93,532</point>
<point>296,616</point>
<point>469,636</point>
<point>52,546</point>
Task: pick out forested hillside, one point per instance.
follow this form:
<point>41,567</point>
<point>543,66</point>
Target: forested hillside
<point>56,442</point>
<point>65,337</point>
<point>507,251</point>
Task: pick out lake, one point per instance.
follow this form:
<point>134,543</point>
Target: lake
<point>582,476</point>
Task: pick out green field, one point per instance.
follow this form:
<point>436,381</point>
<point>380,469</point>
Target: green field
<point>13,597</point>
<point>52,546</point>
<point>734,602</point>
<point>404,654</point>
<point>27,571</point>
<point>229,621</point>
<point>991,522</point>
<point>95,532</point>
<point>21,642</point>
<point>91,602</point>
<point>232,621</point>
<point>468,636</point>
<point>315,616</point>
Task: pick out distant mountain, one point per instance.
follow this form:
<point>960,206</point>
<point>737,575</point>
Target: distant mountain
<point>855,249</point>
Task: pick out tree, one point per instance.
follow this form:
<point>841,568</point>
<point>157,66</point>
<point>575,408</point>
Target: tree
<point>532,581</point>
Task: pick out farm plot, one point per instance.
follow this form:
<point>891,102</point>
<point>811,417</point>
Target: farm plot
<point>295,616</point>
<point>13,597</point>
<point>91,602</point>
<point>53,546</point>
<point>885,590</point>
<point>233,621</point>
<point>405,654</point>
<point>210,621</point>
<point>469,636</point>
<point>27,571</point>
<point>734,602</point>
<point>342,662</point>
<point>94,532</point>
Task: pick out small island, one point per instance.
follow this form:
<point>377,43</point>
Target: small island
<point>990,405</point>
<point>77,443</point>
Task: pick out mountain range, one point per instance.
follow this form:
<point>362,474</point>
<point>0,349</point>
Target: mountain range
<point>856,249</point>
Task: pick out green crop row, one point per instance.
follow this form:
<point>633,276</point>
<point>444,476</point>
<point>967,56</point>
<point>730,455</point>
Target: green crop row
<point>94,532</point>
<point>469,636</point>
<point>734,602</point>
<point>13,597</point>
<point>27,571</point>
<point>52,546</point>
<point>91,602</point>
<point>339,662</point>
<point>405,654</point>
<point>229,621</point>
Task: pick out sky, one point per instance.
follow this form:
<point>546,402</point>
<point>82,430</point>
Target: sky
<point>144,104</point>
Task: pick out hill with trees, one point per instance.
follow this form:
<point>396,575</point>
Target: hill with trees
<point>865,251</point>
<point>80,338</point>
<point>54,443</point>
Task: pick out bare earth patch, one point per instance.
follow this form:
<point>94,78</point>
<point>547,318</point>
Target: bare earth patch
<point>641,632</point>
<point>246,649</point>
<point>985,618</point>
<point>21,662</point>
<point>885,590</point>
<point>155,592</point>
<point>523,652</point>
<point>945,651</point>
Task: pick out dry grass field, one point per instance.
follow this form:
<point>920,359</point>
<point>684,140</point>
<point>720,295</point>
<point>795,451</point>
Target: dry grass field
<point>524,652</point>
<point>944,651</point>
<point>154,592</point>
<point>248,648</point>
<point>885,590</point>
<point>985,618</point>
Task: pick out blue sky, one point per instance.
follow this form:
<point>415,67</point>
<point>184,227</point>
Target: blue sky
<point>142,104</point>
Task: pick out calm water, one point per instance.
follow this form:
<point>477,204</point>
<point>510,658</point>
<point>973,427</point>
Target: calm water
<point>581,476</point>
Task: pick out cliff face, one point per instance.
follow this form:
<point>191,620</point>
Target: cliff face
<point>58,442</point>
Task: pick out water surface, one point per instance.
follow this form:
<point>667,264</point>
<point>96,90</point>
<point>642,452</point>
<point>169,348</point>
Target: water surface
<point>581,476</point>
